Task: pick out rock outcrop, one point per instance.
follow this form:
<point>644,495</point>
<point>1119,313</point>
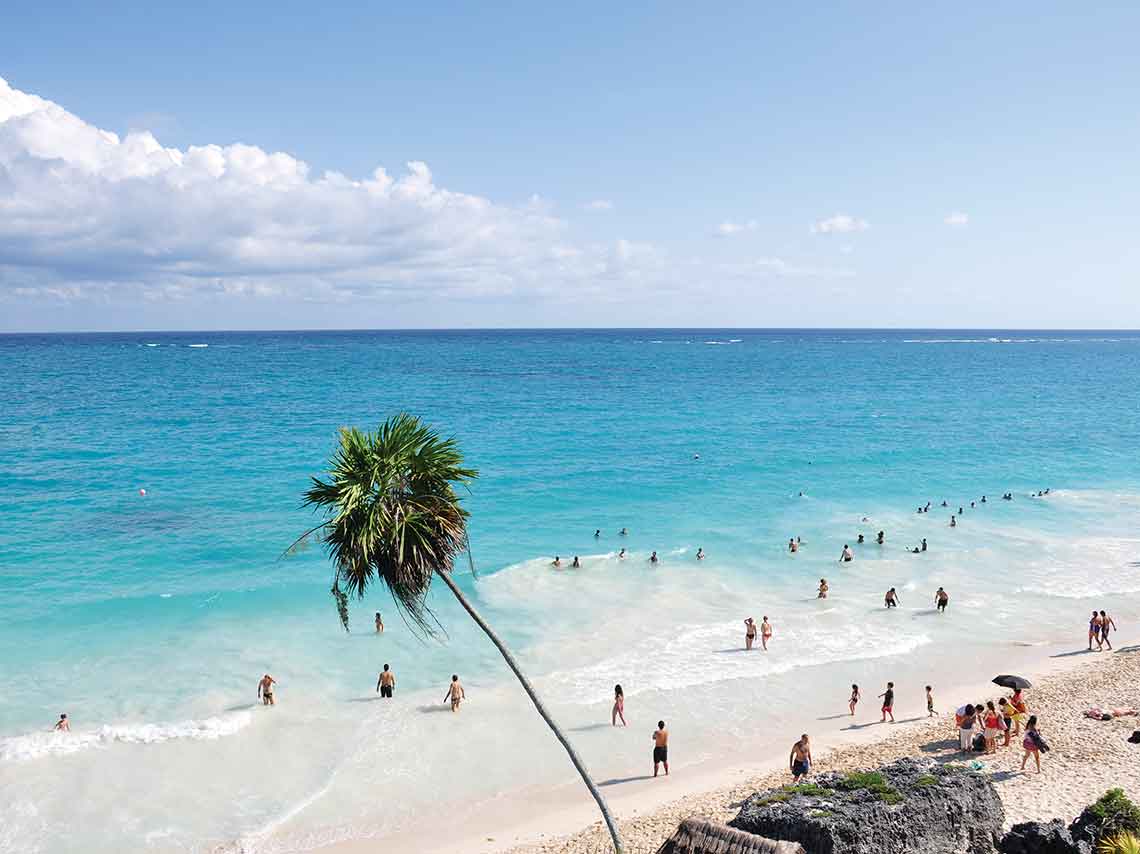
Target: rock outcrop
<point>1035,837</point>
<point>907,807</point>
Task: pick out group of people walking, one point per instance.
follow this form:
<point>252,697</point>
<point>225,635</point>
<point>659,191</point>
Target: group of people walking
<point>1100,624</point>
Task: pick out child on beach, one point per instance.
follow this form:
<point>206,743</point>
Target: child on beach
<point>619,707</point>
<point>930,703</point>
<point>1033,744</point>
<point>854,698</point>
<point>888,702</point>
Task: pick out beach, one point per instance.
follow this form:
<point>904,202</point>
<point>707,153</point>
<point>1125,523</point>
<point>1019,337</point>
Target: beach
<point>1087,758</point>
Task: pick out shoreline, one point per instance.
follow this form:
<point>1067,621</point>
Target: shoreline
<point>1066,682</point>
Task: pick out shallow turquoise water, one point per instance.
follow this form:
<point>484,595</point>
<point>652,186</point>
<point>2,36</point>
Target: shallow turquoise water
<point>149,619</point>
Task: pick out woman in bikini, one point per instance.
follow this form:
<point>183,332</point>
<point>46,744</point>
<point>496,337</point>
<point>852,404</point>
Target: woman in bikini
<point>822,589</point>
<point>765,632</point>
<point>619,707</point>
<point>854,701</point>
<point>1094,630</point>
<point>993,727</point>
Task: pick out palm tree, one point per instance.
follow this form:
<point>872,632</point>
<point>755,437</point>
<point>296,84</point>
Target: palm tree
<point>392,515</point>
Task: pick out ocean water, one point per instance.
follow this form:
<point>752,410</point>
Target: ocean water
<point>149,619</point>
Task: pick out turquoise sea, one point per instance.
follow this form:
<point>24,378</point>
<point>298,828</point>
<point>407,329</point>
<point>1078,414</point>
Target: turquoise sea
<point>149,618</point>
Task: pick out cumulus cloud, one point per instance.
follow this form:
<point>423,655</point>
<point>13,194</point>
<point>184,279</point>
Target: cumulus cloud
<point>957,218</point>
<point>840,224</point>
<point>599,205</point>
<point>85,212</point>
<point>728,229</point>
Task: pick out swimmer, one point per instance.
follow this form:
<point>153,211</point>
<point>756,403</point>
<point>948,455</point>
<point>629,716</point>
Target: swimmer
<point>63,724</point>
<point>576,564</point>
<point>624,532</point>
<point>800,758</point>
<point>879,538</point>
<point>983,499</point>
<point>765,632</point>
<point>386,683</point>
<point>653,558</point>
<point>455,693</point>
<point>379,623</point>
<point>941,600</point>
<point>597,533</point>
<point>749,633</point>
<point>860,540</point>
<point>915,550</point>
<point>557,562</point>
<point>944,504</point>
<point>891,600</point>
<point>953,522</point>
<point>854,701</point>
<point>265,690</point>
<point>661,748</point>
<point>793,546</point>
<point>621,554</point>
<point>822,589</point>
<point>960,511</point>
<point>700,554</point>
<point>924,543</point>
<point>847,555</point>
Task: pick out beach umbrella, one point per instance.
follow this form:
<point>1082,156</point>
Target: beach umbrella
<point>1014,683</point>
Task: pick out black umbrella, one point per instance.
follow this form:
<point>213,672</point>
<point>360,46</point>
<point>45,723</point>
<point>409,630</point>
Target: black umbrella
<point>1014,683</point>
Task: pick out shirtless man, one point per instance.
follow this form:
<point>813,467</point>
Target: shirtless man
<point>765,632</point>
<point>379,624</point>
<point>847,554</point>
<point>661,748</point>
<point>386,682</point>
<point>941,599</point>
<point>891,600</point>
<point>265,690</point>
<point>749,633</point>
<point>793,547</point>
<point>63,724</point>
<point>653,558</point>
<point>557,562</point>
<point>455,693</point>
<point>822,589</point>
<point>700,554</point>
<point>576,564</point>
<point>800,758</point>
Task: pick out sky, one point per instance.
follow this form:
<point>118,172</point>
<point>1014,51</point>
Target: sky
<point>288,166</point>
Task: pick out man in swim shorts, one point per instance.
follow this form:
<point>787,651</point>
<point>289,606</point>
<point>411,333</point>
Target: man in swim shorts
<point>941,599</point>
<point>386,683</point>
<point>265,690</point>
<point>661,748</point>
<point>455,693</point>
<point>800,758</point>
<point>888,702</point>
<point>847,556</point>
<point>891,599</point>
<point>749,632</point>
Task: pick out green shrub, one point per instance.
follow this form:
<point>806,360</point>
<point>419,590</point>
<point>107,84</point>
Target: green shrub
<point>810,789</point>
<point>1114,814</point>
<point>926,780</point>
<point>873,782</point>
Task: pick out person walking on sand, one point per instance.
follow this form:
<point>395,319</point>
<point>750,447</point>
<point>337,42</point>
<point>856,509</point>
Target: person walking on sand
<point>661,748</point>
<point>379,624</point>
<point>930,702</point>
<point>1105,623</point>
<point>854,701</point>
<point>799,760</point>
<point>822,589</point>
<point>265,690</point>
<point>1094,630</point>
<point>1033,744</point>
<point>749,633</point>
<point>63,724</point>
<point>891,599</point>
<point>619,707</point>
<point>888,702</point>
<point>386,683</point>
<point>941,600</point>
<point>765,632</point>
<point>455,693</point>
<point>846,556</point>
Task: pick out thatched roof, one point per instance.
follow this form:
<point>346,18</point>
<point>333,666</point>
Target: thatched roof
<point>696,836</point>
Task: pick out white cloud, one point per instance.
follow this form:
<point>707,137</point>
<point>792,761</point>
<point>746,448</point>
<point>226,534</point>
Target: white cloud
<point>773,266</point>
<point>957,218</point>
<point>85,212</point>
<point>598,205</point>
<point>840,224</point>
<point>728,229</point>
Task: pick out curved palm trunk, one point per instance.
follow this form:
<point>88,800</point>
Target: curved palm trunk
<point>534,698</point>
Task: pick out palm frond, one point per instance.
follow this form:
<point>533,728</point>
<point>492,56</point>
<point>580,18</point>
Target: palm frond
<point>391,513</point>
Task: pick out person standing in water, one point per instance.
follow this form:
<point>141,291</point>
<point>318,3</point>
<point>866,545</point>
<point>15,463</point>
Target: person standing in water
<point>793,546</point>
<point>822,589</point>
<point>265,690</point>
<point>847,555</point>
<point>557,562</point>
<point>386,683</point>
<point>597,533</point>
<point>854,701</point>
<point>880,538</point>
<point>653,558</point>
<point>799,760</point>
<point>63,725</point>
<point>623,532</point>
<point>700,554</point>
<point>661,748</point>
<point>924,543</point>
<point>765,632</point>
<point>455,693</point>
<point>619,707</point>
<point>953,521</point>
<point>941,600</point>
<point>891,600</point>
<point>888,702</point>
<point>859,541</point>
<point>749,633</point>
<point>621,554</point>
<point>379,624</point>
<point>575,564</point>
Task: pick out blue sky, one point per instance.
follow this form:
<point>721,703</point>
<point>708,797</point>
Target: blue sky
<point>635,166</point>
